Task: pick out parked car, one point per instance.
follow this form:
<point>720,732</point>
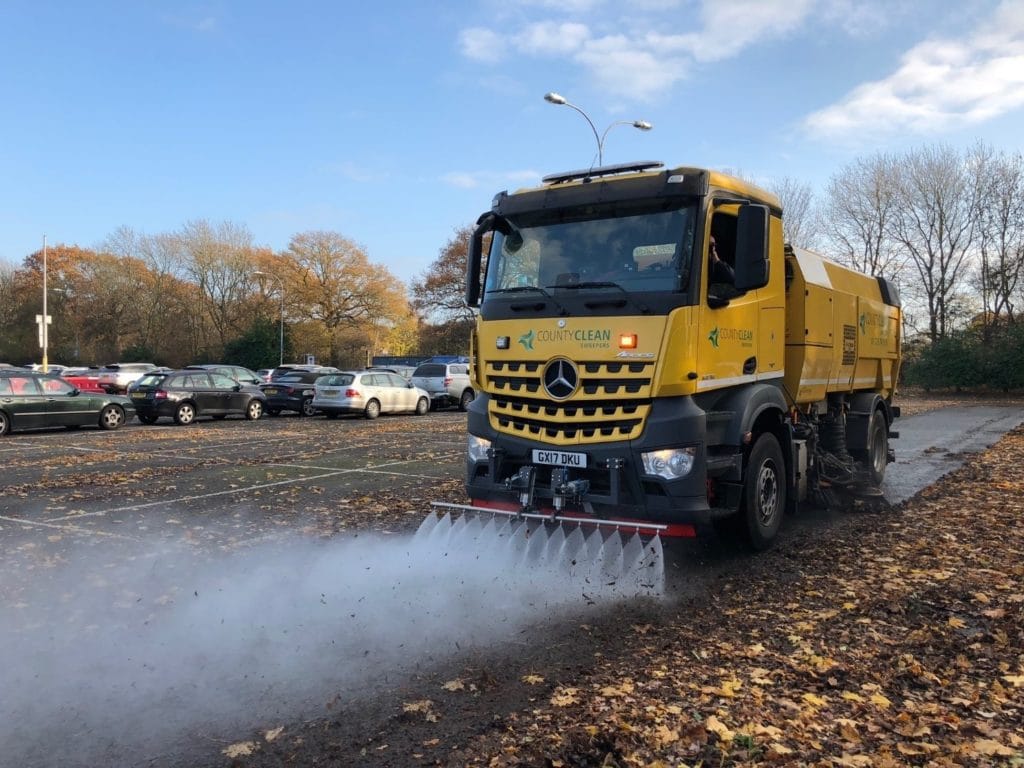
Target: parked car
<point>447,383</point>
<point>292,389</point>
<point>239,373</point>
<point>264,373</point>
<point>55,368</point>
<point>186,395</point>
<point>370,393</point>
<point>282,370</point>
<point>116,377</point>
<point>30,400</point>
<point>85,379</point>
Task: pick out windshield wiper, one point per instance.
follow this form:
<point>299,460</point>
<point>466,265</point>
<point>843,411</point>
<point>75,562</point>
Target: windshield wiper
<point>530,289</point>
<point>644,309</point>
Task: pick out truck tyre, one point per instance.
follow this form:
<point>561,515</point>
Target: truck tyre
<point>466,399</point>
<point>764,493</point>
<point>876,457</point>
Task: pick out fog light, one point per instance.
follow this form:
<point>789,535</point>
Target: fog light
<point>477,448</point>
<point>670,463</point>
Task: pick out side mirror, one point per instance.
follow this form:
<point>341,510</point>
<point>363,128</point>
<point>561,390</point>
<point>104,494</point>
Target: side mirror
<point>237,387</point>
<point>752,266</point>
<point>484,225</point>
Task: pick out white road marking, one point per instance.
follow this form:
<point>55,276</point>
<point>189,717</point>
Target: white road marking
<point>66,528</point>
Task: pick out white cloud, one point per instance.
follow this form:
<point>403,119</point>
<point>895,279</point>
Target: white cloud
<point>481,44</point>
<point>729,27</point>
<point>624,68</point>
<point>939,84</point>
<point>548,38</point>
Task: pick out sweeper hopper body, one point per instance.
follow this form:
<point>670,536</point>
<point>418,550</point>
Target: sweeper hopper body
<point>622,376</point>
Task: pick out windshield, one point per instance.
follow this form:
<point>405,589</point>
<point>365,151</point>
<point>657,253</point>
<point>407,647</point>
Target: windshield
<point>645,247</point>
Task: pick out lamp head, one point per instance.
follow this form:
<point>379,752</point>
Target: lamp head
<point>643,125</point>
<point>554,98</point>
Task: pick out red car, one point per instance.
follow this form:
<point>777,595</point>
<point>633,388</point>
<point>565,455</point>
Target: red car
<point>84,379</point>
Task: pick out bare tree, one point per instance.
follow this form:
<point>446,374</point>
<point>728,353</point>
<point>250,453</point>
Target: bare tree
<point>859,207</point>
<point>219,260</point>
<point>934,222</point>
<point>1000,215</point>
<point>439,292</point>
<point>800,225</point>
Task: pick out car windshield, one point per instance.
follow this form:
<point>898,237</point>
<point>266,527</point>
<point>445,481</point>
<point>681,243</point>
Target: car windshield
<point>151,380</point>
<point>644,247</point>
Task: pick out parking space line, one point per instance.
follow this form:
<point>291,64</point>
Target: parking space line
<point>182,499</point>
<point>355,469</point>
<point>232,491</point>
<point>67,528</point>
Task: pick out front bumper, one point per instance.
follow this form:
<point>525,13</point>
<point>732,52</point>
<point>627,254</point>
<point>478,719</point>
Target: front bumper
<point>618,486</point>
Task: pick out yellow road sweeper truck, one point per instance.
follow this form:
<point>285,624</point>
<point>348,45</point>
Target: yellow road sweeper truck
<point>624,378</point>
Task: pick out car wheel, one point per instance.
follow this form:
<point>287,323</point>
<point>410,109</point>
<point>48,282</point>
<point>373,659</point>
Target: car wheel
<point>111,417</point>
<point>185,414</point>
<point>5,424</point>
<point>466,399</point>
<point>764,492</point>
<point>372,410</point>
<point>147,418</point>
<point>307,407</point>
<point>254,410</point>
<point>422,406</point>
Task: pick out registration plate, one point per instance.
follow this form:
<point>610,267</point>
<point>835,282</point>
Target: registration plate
<point>139,395</point>
<point>330,393</point>
<point>270,391</point>
<point>560,458</point>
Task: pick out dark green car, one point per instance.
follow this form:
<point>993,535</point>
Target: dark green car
<point>31,400</point>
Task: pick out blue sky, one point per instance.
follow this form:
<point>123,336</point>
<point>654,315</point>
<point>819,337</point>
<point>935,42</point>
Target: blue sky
<point>393,124</point>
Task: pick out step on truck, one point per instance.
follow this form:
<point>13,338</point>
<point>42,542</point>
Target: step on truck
<point>621,379</point>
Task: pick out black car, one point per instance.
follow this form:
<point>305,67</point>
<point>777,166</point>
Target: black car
<point>292,390</point>
<point>237,372</point>
<point>187,394</point>
<point>30,400</point>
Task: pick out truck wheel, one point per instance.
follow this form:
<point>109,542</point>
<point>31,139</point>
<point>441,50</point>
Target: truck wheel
<point>764,493</point>
<point>372,410</point>
<point>466,399</point>
<point>876,457</point>
<point>185,414</point>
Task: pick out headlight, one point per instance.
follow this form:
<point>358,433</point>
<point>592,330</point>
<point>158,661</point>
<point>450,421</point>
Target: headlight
<point>670,463</point>
<point>477,448</point>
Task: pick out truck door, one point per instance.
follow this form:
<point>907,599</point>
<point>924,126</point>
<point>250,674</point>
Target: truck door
<point>729,325</point>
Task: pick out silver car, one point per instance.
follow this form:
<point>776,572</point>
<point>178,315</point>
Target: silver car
<point>370,393</point>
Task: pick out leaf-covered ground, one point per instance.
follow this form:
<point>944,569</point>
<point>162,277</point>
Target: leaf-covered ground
<point>897,640</point>
<point>882,639</point>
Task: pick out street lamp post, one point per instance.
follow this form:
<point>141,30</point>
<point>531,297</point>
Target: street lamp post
<point>280,288</point>
<point>561,101</point>
<point>44,319</point>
